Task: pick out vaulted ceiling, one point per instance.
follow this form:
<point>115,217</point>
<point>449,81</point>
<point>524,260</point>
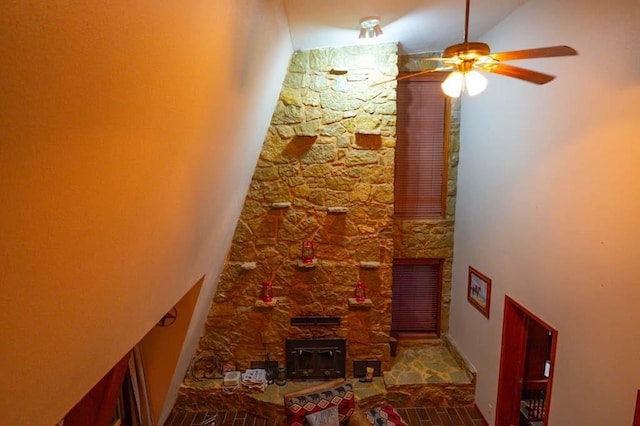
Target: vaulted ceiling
<point>418,25</point>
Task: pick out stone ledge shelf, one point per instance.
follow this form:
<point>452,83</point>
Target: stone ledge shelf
<point>281,205</point>
<point>369,265</point>
<point>265,305</point>
<point>368,132</point>
<point>309,265</point>
<point>365,304</point>
<point>249,266</point>
<point>337,210</point>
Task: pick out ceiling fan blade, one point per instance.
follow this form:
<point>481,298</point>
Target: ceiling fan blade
<point>521,73</point>
<point>540,52</point>
<point>414,74</point>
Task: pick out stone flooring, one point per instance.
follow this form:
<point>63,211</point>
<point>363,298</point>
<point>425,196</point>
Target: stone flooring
<point>425,363</point>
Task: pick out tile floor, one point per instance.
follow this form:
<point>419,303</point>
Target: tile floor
<point>439,416</point>
<point>442,416</point>
<point>230,418</point>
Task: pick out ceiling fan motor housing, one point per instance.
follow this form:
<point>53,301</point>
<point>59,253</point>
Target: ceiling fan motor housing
<point>467,51</point>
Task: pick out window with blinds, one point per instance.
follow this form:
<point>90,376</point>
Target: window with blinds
<point>417,287</point>
<point>421,148</point>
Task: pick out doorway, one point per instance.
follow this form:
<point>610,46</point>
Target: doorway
<point>527,361</point>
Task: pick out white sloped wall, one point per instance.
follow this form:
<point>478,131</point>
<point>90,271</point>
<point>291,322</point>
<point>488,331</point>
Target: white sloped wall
<point>549,206</point>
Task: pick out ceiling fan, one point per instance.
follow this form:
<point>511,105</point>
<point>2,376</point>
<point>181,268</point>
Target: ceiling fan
<point>464,60</point>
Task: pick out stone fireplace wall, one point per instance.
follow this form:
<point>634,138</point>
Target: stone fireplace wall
<point>330,144</point>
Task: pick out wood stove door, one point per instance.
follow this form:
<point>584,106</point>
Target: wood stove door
<point>315,359</point>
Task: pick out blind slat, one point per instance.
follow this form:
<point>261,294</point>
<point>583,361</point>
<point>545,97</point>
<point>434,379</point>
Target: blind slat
<point>419,170</point>
<point>416,297</point>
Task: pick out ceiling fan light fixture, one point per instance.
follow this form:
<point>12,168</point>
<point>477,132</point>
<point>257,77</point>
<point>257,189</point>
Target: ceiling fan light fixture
<point>474,82</point>
<point>452,85</point>
<point>370,27</point>
<point>458,81</point>
<point>466,59</point>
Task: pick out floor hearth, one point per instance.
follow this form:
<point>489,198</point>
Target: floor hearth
<point>428,373</point>
<point>425,363</point>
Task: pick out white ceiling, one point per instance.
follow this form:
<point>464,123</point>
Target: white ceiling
<point>418,25</point>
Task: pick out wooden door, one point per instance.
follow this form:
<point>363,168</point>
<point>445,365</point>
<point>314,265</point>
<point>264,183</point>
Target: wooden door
<point>528,344</point>
<point>537,351</point>
<point>512,365</point>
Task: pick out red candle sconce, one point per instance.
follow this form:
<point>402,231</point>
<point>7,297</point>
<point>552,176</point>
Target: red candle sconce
<point>308,253</point>
<point>267,291</point>
<point>360,292</point>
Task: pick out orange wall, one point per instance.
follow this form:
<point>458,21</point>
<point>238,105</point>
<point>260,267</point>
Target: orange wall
<point>549,206</point>
<point>130,131</point>
<point>160,350</point>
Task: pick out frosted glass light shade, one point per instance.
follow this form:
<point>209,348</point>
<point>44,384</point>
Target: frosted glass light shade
<point>452,85</point>
<point>475,82</point>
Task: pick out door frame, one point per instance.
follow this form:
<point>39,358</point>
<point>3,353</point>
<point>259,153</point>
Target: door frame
<point>512,362</point>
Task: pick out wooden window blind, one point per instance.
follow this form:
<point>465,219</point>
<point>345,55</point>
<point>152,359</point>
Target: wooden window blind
<point>420,157</point>
<point>417,288</point>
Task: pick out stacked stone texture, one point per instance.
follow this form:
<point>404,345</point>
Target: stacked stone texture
<point>330,144</point>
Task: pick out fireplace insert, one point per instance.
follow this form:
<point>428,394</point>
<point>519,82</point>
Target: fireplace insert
<point>315,359</point>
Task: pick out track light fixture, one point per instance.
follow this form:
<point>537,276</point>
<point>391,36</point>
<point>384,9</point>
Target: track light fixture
<point>370,27</point>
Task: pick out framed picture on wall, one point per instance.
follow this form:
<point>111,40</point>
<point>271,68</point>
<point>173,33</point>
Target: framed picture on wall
<point>479,291</point>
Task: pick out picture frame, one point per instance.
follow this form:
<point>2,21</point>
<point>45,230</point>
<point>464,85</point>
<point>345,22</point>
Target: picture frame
<point>479,291</point>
